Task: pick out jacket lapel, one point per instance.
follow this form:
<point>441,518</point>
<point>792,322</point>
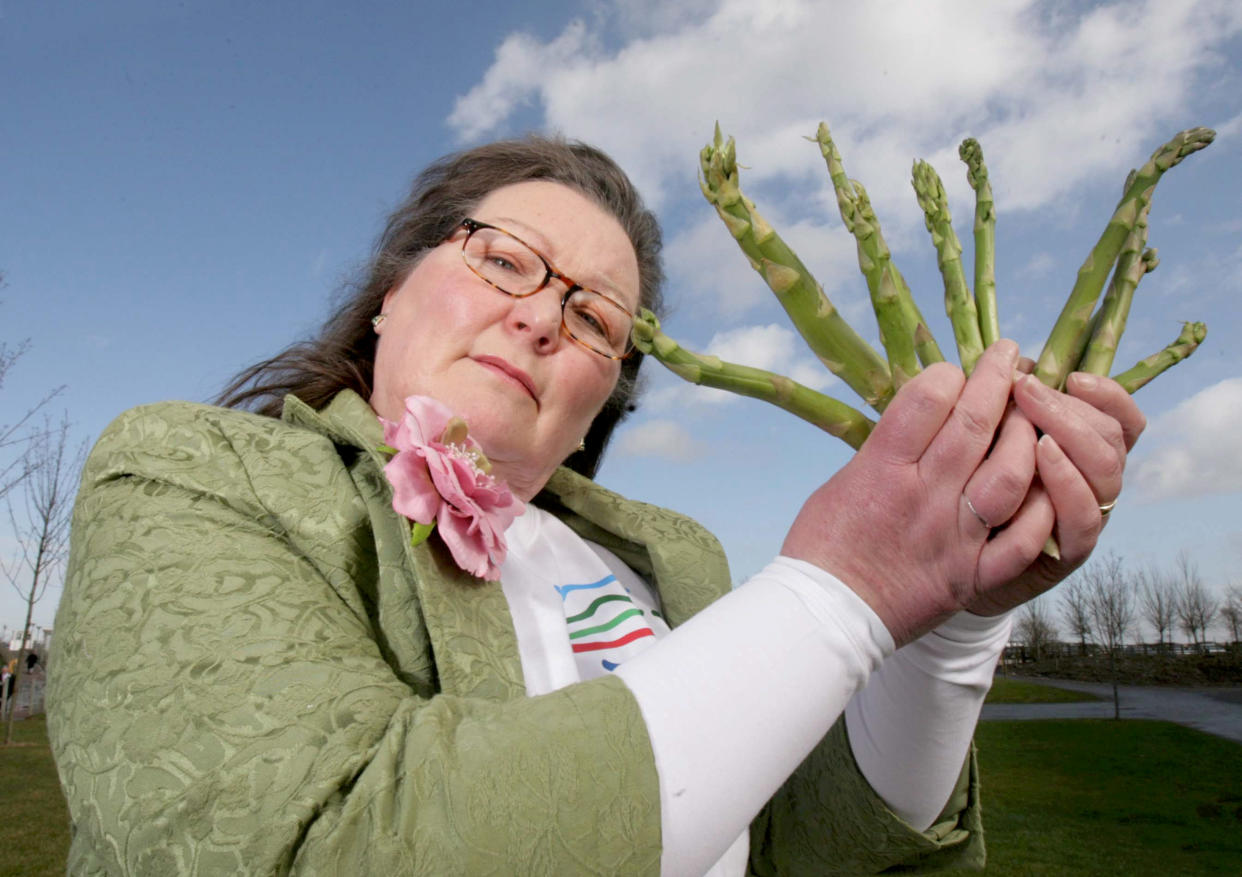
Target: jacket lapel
<point>469,629</point>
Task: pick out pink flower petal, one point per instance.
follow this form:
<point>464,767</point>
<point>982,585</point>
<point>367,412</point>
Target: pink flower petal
<point>413,494</point>
<point>432,481</point>
<point>425,418</point>
<point>466,542</point>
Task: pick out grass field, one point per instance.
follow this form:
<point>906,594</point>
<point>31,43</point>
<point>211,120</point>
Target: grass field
<point>1060,797</point>
<point>31,795</point>
<point>1006,690</point>
<point>1106,797</point>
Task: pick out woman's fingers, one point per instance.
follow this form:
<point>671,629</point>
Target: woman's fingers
<point>996,489</point>
<point>1108,397</point>
<point>967,434</point>
<point>916,414</point>
<point>1092,439</point>
<point>1073,500</point>
<point>1007,558</point>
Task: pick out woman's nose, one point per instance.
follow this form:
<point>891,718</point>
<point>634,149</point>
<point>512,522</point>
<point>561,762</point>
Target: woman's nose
<point>538,316</point>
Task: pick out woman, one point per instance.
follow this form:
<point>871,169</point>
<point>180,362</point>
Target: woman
<point>256,671</point>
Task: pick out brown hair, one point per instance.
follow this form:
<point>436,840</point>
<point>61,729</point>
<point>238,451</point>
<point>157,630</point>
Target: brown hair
<point>342,355</point>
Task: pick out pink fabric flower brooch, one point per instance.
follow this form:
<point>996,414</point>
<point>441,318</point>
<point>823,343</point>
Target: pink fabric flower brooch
<point>440,477</point>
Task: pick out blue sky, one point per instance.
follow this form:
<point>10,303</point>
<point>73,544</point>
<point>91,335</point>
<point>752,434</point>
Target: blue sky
<point>185,186</point>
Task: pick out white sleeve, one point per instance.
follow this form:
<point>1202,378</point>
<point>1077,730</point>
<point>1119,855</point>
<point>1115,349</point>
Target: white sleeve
<point>737,697</point>
<point>910,727</point>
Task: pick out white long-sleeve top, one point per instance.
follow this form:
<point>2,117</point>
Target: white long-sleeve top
<point>736,697</point>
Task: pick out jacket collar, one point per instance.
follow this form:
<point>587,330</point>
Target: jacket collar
<point>467,619</point>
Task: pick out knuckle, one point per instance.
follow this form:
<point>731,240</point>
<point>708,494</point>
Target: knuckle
<point>1114,467</point>
<point>1114,434</point>
<point>1010,484</point>
<point>976,424</point>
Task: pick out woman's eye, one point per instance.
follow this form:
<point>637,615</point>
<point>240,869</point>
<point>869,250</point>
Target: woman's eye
<point>502,262</point>
<point>592,322</point>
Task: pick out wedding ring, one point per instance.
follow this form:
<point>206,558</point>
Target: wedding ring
<point>970,505</point>
<point>1104,509</point>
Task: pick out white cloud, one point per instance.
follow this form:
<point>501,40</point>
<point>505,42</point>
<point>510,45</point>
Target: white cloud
<point>770,347</point>
<point>1040,264</point>
<point>1229,128</point>
<point>708,270</point>
<point>1055,97</point>
<point>1198,453</point>
<point>659,438</point>
<point>524,67</point>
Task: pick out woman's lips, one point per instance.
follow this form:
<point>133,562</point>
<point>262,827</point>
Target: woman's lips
<point>511,372</point>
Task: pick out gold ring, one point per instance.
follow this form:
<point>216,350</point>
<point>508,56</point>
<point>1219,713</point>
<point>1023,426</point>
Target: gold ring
<point>1105,509</point>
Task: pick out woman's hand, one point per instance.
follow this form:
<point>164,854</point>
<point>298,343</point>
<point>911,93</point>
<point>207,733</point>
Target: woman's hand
<point>1087,432</point>
<point>941,511</point>
<point>895,523</point>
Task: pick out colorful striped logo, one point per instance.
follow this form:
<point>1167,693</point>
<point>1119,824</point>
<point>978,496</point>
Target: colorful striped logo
<point>603,618</point>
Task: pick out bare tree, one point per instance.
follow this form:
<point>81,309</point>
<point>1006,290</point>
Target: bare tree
<point>1157,602</point>
<point>1111,600</point>
<point>1034,627</point>
<point>16,436</point>
<point>1195,607</point>
<point>1076,610</point>
<point>1231,612</point>
<point>41,528</point>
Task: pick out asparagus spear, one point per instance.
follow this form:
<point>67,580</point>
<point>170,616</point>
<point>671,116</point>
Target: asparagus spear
<point>1058,357</point>
<point>817,319</point>
<point>1109,321</point>
<point>958,303</point>
<point>830,415</point>
<point>926,346</point>
<point>985,240</point>
<point>895,310</point>
<point>1142,372</point>
<point>826,332</point>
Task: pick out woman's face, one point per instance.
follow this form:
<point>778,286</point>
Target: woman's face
<point>527,392</point>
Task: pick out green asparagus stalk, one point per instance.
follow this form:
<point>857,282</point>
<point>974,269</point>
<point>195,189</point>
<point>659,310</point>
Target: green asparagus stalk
<point>830,415</point>
<point>826,332</point>
<point>1109,321</point>
<point>895,311</point>
<point>926,346</point>
<point>958,303</point>
<point>901,324</point>
<point>985,240</point>
<point>1058,357</point>
<point>1142,372</point>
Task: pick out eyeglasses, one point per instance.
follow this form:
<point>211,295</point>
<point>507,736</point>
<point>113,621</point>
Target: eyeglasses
<point>514,267</point>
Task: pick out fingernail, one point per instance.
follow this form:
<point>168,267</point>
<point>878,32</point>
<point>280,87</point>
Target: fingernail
<point>1036,386</point>
<point>1051,447</point>
<point>1008,348</point>
<point>1085,380</point>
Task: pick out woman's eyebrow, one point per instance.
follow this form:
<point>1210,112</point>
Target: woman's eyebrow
<point>533,237</point>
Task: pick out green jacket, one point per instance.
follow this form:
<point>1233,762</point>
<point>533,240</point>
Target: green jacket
<point>254,672</point>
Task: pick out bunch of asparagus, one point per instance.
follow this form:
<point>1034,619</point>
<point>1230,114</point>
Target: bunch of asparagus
<point>1084,337</point>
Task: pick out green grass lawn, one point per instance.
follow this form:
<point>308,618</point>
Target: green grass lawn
<point>32,800</point>
<point>1104,797</point>
<point>1007,690</point>
<point>1059,797</point>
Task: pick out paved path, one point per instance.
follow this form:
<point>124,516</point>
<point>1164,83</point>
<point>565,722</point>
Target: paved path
<point>1214,710</point>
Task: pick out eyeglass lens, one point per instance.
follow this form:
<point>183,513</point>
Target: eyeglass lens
<point>514,268</point>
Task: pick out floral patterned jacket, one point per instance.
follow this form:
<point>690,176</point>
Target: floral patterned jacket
<point>253,672</point>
